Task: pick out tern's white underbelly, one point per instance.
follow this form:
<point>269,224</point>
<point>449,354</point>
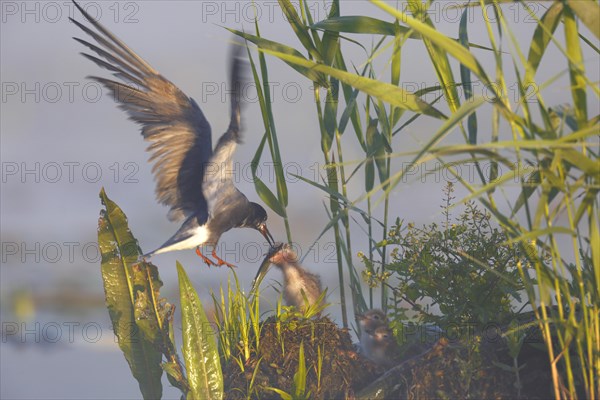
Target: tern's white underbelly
<point>199,237</point>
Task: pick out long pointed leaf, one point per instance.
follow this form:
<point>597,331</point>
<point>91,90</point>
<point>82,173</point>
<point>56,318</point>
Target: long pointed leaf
<point>274,46</point>
<point>576,68</point>
<point>541,38</point>
<point>261,188</point>
<point>384,91</point>
<point>299,28</point>
<point>119,250</point>
<point>588,11</point>
<point>465,76</point>
<point>441,40</point>
<point>199,346</point>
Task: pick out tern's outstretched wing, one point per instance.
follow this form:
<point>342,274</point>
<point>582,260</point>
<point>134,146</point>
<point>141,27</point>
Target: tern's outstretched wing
<point>217,186</point>
<point>179,134</point>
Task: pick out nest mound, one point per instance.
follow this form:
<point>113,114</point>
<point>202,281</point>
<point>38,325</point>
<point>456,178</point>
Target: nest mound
<point>476,369</point>
<point>343,371</point>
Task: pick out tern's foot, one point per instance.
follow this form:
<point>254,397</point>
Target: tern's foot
<point>206,260</point>
<point>221,262</point>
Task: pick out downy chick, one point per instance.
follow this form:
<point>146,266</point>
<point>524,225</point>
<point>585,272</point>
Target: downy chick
<point>371,319</point>
<point>296,280</point>
<point>368,322</point>
<point>381,347</point>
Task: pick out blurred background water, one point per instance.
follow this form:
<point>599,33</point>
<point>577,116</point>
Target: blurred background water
<point>62,139</point>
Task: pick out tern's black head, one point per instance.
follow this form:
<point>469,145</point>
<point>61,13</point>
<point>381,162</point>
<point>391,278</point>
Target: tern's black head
<point>257,219</point>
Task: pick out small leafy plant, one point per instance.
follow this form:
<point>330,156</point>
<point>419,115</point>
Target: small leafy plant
<point>465,269</point>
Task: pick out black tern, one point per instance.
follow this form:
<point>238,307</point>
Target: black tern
<point>191,178</point>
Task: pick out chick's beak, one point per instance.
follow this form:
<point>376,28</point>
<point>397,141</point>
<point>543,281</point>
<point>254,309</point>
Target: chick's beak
<point>265,232</point>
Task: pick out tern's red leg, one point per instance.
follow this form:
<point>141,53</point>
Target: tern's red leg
<point>221,261</point>
<point>207,260</point>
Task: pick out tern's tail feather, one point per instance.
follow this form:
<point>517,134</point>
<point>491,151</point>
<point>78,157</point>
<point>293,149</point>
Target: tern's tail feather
<point>189,236</point>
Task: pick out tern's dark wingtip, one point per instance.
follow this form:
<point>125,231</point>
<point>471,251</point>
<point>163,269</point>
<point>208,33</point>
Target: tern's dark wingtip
<point>83,12</point>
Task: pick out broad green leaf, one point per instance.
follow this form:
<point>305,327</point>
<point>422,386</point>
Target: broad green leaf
<point>439,57</point>
<point>200,350</point>
<point>300,375</point>
<point>307,20</point>
<point>351,111</point>
<point>524,96</point>
<point>262,43</point>
<point>445,43</point>
<point>330,45</point>
<point>527,189</point>
<point>399,39</point>
<point>541,38</point>
<point>150,312</point>
<point>281,393</point>
<point>299,28</point>
<point>384,91</point>
<point>364,25</point>
<point>569,141</point>
<point>582,162</point>
<point>587,201</point>
<point>268,197</point>
<point>369,174</point>
<point>378,145</point>
<point>595,245</point>
<point>119,251</point>
<point>330,113</point>
<point>528,236</point>
<point>263,92</point>
<point>154,317</point>
<point>263,191</point>
<point>465,76</point>
<point>269,121</point>
<point>383,120</point>
<point>588,11</point>
<point>371,26</point>
<point>576,68</point>
<point>493,170</point>
<point>370,145</point>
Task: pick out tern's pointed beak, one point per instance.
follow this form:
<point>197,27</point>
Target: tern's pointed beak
<point>265,232</point>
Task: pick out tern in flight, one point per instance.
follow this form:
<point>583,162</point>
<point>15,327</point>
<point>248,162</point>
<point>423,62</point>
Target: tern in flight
<point>191,178</point>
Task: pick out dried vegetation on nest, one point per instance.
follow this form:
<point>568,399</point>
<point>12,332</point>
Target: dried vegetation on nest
<point>327,349</point>
<point>335,370</point>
